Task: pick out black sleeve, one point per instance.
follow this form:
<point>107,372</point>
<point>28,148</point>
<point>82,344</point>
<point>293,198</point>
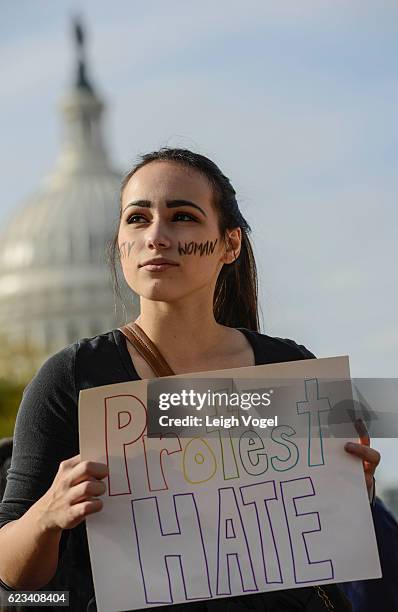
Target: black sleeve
<point>303,352</point>
<point>46,433</point>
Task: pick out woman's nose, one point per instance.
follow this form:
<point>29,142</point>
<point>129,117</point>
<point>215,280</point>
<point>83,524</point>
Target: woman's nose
<point>157,238</point>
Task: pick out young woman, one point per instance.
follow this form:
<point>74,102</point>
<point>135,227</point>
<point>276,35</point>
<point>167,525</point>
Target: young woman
<point>184,249</point>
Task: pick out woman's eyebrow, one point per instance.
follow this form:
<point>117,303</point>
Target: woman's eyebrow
<point>142,203</point>
<point>177,203</point>
<point>169,204</point>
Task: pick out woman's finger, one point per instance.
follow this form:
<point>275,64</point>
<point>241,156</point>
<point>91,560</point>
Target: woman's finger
<point>87,470</point>
<point>370,455</point>
<point>86,490</point>
<point>362,431</point>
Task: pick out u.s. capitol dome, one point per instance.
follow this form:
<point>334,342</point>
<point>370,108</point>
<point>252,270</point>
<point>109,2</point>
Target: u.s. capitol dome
<point>55,285</point>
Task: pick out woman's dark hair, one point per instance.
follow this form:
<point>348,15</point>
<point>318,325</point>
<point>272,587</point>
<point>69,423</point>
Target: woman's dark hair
<point>236,293</point>
<point>5,461</point>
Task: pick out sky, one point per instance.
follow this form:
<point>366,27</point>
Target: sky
<point>295,101</point>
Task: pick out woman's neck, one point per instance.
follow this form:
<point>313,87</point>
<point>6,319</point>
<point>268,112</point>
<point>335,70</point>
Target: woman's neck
<point>185,330</point>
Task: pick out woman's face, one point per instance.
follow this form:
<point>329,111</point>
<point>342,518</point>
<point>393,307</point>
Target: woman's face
<point>168,214</point>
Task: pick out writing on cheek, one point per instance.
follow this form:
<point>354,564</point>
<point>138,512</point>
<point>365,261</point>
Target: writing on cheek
<point>125,248</point>
<point>191,248</point>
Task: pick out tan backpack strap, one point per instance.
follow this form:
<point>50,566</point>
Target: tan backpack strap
<point>147,349</point>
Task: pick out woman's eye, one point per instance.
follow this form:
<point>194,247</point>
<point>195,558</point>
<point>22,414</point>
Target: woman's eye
<point>187,217</point>
<point>132,219</point>
<point>181,216</point>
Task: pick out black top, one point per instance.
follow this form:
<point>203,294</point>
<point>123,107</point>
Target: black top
<point>46,433</point>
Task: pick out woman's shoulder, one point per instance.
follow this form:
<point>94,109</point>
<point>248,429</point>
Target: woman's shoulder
<point>273,349</point>
<point>102,360</point>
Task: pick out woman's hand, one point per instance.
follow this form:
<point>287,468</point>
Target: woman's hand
<point>370,457</point>
<point>73,494</point>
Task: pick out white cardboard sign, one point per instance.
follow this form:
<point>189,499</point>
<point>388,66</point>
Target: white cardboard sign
<point>186,519</point>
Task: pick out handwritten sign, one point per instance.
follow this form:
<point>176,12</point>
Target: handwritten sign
<point>201,517</point>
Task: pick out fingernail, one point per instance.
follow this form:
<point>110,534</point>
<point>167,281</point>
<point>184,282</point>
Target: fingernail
<point>350,446</point>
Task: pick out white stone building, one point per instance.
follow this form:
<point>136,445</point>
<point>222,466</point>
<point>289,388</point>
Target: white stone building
<point>55,285</point>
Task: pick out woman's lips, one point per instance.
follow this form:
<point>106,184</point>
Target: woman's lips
<point>158,267</point>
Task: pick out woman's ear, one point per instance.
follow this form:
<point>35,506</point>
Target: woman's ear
<point>233,239</point>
